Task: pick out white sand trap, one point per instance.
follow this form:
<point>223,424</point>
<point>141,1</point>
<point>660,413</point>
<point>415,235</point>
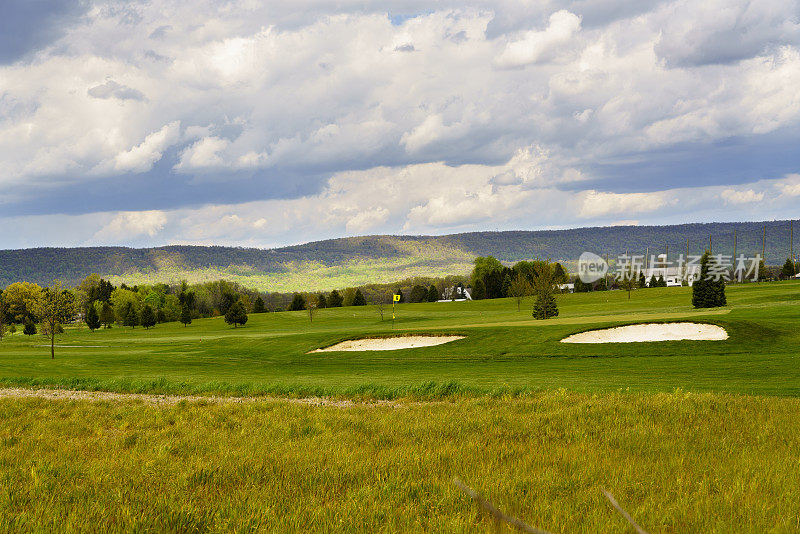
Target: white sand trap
<point>389,343</point>
<point>651,332</point>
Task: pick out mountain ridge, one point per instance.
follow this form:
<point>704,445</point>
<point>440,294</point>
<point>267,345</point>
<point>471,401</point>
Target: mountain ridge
<point>340,262</point>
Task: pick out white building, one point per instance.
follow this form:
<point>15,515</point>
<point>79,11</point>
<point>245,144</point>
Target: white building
<point>674,276</point>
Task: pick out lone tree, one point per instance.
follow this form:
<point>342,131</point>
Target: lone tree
<point>92,318</point>
<point>544,287</point>
<point>311,305</point>
<point>358,299</point>
<point>519,289</point>
<point>708,291</point>
<point>236,314</point>
<point>186,315</point>
<point>335,299</point>
<point>148,316</point>
<point>55,307</point>
<point>258,305</point>
<point>107,315</point>
<point>627,279</point>
<point>298,303</point>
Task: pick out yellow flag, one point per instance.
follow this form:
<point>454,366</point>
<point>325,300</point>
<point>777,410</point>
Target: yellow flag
<point>397,298</point>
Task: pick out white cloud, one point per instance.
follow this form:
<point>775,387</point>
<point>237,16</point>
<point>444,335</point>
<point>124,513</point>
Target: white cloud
<point>141,157</point>
<point>130,225</point>
<point>599,204</point>
<point>537,46</point>
<point>746,196</point>
<point>366,220</point>
<point>790,186</point>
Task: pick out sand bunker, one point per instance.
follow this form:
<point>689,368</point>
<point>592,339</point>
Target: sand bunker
<point>651,332</point>
<point>389,343</point>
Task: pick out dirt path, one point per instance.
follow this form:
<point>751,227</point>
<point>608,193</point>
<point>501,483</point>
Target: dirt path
<point>96,396</point>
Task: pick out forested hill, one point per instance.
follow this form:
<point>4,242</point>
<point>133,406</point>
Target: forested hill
<point>324,265</point>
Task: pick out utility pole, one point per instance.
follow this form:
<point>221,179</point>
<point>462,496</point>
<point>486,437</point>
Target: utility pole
<point>791,241</point>
<point>764,245</point>
<point>646,256</point>
<point>734,253</point>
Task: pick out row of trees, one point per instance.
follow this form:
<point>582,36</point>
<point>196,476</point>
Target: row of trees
<point>540,279</point>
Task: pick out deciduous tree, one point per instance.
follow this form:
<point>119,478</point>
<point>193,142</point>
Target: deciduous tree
<point>55,307</point>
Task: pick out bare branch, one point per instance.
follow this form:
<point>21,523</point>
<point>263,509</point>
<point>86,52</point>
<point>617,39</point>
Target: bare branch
<point>625,514</point>
<point>495,513</point>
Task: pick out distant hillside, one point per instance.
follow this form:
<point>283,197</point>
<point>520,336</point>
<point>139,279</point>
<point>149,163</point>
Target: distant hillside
<point>337,263</point>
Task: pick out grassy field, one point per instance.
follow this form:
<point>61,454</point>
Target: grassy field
<point>504,350</point>
<point>677,462</point>
<point>688,436</point>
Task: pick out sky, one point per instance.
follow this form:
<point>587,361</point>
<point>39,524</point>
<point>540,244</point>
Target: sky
<point>248,123</point>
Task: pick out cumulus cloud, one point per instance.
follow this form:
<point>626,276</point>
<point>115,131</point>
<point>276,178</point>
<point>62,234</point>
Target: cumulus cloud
<point>746,196</point>
<point>132,225</point>
<point>599,203</point>
<point>141,157</point>
<point>790,186</point>
<point>538,46</point>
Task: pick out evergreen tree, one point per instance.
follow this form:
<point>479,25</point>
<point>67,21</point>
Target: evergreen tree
<point>560,274</point>
<point>258,305</point>
<point>92,318</point>
<point>148,316</point>
<point>335,299</point>
<point>653,281</point>
<point>186,315</point>
<point>661,281</point>
<point>298,303</point>
<point>322,302</point>
<point>642,279</point>
<point>788,270</point>
<point>545,307</point>
<point>707,292</point>
<point>358,299</point>
<point>107,314</point>
<point>30,328</point>
<point>433,294</point>
<point>130,317</point>
<point>236,315</point>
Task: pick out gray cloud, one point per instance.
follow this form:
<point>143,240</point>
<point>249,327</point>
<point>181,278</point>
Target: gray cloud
<point>112,89</point>
<point>29,25</point>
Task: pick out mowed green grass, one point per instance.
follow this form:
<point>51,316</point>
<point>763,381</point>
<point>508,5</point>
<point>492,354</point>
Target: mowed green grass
<point>677,462</point>
<point>504,350</point>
